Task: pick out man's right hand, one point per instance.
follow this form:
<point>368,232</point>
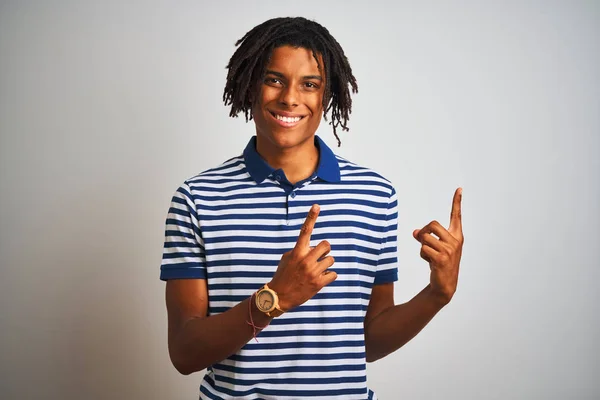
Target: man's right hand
<point>303,271</point>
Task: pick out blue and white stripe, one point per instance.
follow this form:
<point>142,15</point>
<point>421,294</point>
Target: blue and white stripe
<point>230,225</point>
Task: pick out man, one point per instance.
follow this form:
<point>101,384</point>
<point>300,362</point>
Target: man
<point>280,263</point>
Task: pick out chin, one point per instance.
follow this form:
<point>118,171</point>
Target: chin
<point>287,138</point>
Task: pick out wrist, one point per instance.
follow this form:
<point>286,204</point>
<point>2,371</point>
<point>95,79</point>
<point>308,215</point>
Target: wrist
<point>438,299</point>
<point>281,295</point>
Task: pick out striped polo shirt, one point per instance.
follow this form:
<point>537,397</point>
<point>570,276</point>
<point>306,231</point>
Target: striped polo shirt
<point>231,224</point>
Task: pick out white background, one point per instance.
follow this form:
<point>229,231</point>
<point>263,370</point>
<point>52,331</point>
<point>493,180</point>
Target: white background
<point>106,107</point>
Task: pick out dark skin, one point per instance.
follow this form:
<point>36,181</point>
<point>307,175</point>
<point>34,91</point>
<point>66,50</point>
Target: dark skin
<point>287,111</point>
<point>293,86</point>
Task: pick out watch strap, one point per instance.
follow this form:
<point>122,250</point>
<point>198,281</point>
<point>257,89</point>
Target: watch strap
<point>276,312</point>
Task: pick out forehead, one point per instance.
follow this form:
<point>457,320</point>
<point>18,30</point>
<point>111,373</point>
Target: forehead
<point>294,60</point>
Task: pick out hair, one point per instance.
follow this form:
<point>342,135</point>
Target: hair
<point>247,66</point>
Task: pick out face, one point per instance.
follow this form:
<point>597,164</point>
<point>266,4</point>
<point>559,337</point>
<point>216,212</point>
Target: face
<point>289,104</point>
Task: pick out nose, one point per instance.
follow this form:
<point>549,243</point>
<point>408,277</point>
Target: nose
<point>289,96</point>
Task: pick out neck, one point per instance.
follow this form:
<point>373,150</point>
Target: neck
<point>298,162</point>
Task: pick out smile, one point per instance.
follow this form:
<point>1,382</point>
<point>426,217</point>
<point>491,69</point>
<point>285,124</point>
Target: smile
<point>286,121</point>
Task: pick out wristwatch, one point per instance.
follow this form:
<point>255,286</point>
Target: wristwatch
<point>267,302</point>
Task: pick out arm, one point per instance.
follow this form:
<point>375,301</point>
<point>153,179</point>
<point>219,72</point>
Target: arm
<point>389,327</point>
<point>197,341</point>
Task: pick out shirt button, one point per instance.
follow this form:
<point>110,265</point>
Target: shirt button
<point>277,178</point>
<point>293,194</point>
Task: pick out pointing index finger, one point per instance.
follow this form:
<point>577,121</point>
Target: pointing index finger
<point>456,214</point>
<point>307,227</point>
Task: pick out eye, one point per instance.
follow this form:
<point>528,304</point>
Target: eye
<point>272,81</point>
<point>311,85</point>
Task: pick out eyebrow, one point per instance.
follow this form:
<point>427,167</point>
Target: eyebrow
<point>280,75</point>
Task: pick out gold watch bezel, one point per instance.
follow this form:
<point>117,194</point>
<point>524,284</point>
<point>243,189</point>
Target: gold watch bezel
<point>274,310</point>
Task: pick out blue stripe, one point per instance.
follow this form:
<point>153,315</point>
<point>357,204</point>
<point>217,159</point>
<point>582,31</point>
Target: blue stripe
<point>346,192</point>
<point>311,332</point>
<point>391,260</point>
<point>168,256</point>
<point>303,345</point>
<point>297,357</point>
<point>296,368</point>
<point>364,183</point>
<point>318,296</point>
<point>292,381</point>
<point>316,320</point>
<point>390,228</point>
<point>261,250</point>
<point>179,200</point>
<point>183,224</point>
<point>290,239</point>
<point>183,213</point>
<point>308,308</point>
<point>294,227</point>
<point>278,194</point>
<point>278,216</point>
<point>260,274</point>
<point>169,245</point>
<point>391,249</point>
<point>182,271</point>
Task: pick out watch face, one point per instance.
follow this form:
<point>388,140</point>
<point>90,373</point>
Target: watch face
<point>265,301</point>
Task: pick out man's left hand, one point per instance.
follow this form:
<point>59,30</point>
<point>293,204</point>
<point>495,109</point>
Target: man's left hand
<point>443,251</point>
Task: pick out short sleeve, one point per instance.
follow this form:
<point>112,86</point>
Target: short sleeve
<point>183,252</point>
<point>387,263</point>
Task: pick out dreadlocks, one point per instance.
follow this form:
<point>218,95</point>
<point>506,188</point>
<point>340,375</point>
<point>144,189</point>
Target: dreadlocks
<point>247,66</point>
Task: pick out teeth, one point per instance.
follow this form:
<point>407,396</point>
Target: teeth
<point>289,120</point>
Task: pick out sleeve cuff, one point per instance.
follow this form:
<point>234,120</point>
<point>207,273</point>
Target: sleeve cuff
<point>182,273</point>
<point>386,276</point>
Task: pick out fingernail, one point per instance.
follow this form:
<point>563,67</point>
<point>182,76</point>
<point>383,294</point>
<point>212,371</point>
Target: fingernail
<point>314,208</point>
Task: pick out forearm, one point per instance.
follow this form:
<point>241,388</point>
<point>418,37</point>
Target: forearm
<point>397,325</point>
<point>202,342</point>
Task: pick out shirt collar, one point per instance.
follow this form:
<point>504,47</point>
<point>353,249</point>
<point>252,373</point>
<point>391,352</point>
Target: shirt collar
<point>328,168</point>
